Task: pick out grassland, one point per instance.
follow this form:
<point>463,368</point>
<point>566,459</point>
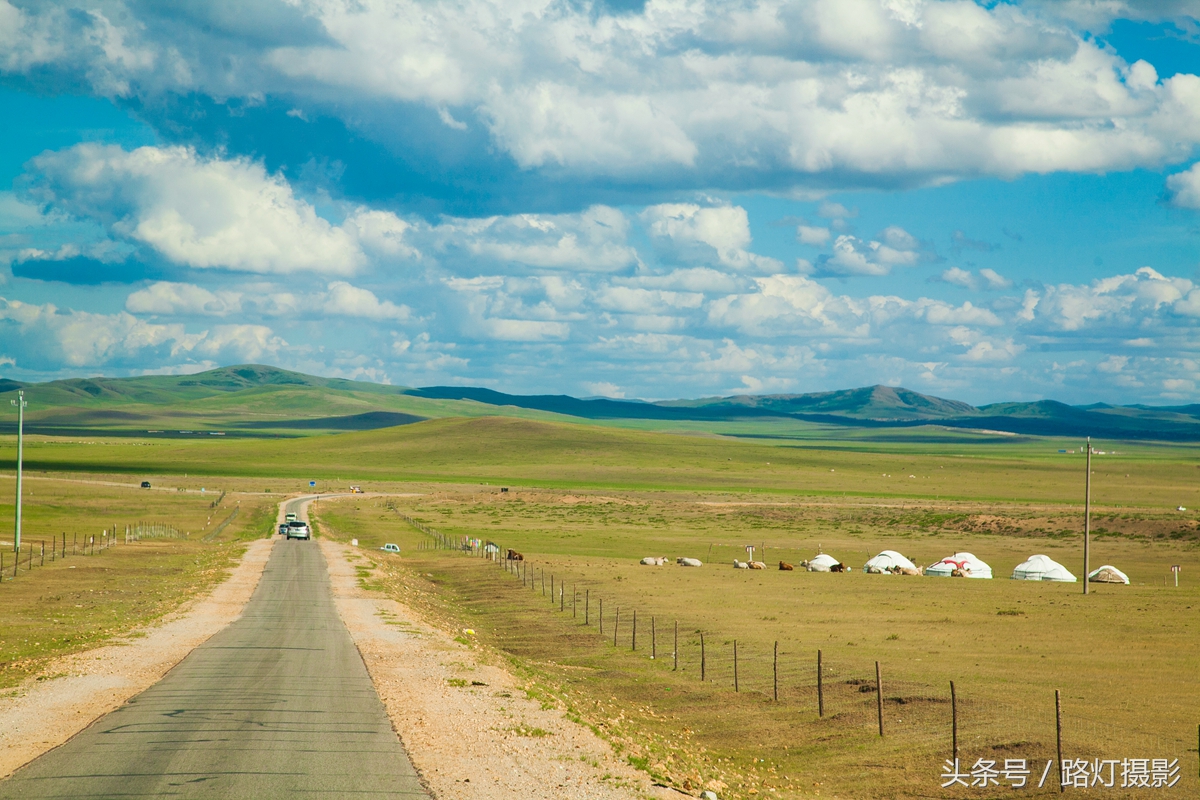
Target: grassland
<point>66,605</point>
<point>587,501</point>
<point>1007,645</point>
<point>531,453</point>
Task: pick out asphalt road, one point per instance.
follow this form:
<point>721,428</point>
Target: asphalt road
<point>278,704</point>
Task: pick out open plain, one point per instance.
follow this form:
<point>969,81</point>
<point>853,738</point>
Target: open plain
<point>583,503</point>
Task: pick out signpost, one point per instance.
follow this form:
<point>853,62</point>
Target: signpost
<point>312,484</point>
<point>1175,569</point>
<point>20,404</point>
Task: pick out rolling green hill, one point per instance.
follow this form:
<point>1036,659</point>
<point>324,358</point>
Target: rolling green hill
<point>263,401</point>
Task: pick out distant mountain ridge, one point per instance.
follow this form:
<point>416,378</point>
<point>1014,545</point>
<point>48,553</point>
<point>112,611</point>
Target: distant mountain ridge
<point>333,404</point>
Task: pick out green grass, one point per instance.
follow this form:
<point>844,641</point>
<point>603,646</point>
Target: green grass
<point>529,453</point>
<point>1007,645</point>
<point>75,603</point>
<point>587,501</point>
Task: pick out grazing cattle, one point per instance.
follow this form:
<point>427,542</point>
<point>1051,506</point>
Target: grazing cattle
<point>654,561</point>
<point>839,567</point>
<point>905,571</point>
<point>786,567</point>
<point>804,563</point>
<point>757,565</point>
<point>740,564</point>
<point>513,555</point>
<point>689,562</point>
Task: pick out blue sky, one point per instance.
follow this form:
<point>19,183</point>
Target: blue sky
<point>986,201</point>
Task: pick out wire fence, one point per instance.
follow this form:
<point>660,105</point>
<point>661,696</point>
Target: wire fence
<point>40,552</point>
<point>1016,736</point>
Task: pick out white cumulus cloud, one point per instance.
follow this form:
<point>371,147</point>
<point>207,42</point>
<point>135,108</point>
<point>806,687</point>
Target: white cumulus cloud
<point>197,212</point>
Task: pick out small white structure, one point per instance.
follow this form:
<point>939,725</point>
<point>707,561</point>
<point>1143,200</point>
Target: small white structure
<point>890,562</point>
<point>1107,574</point>
<point>1042,568</point>
<point>689,562</point>
<point>822,563</point>
<point>966,563</point>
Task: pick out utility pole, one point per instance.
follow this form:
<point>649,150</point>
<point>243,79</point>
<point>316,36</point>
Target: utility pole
<point>1087,517</point>
<point>20,404</point>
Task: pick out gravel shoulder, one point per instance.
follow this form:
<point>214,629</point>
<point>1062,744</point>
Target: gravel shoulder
<point>42,714</point>
<point>468,726</point>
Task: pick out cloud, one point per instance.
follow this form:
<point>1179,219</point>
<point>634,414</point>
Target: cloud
<point>986,279</point>
<point>807,234</point>
<point>195,212</point>
<point>164,298</point>
<point>47,338</point>
<point>714,235</point>
<point>1183,188</point>
<point>594,240</point>
<point>854,256</point>
<point>736,96</point>
<point>351,301</point>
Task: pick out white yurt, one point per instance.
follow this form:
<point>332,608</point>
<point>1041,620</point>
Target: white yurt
<point>1042,568</point>
<point>822,563</point>
<point>889,560</point>
<point>1107,574</point>
<point>967,563</point>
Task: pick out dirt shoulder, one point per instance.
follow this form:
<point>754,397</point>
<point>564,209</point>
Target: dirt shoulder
<point>43,713</point>
<point>467,724</point>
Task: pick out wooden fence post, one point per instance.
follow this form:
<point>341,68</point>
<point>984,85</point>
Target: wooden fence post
<point>879,697</point>
<point>562,596</point>
<point>543,581</point>
<point>574,600</point>
<point>616,624</point>
<point>587,608</point>
<point>820,688</point>
<point>653,640</point>
<point>953,722</point>
<point>676,648</point>
<point>633,646</point>
<point>702,658</point>
<point>601,616</point>
<point>775,671</point>
<point>735,671</point>
<point>1058,736</point>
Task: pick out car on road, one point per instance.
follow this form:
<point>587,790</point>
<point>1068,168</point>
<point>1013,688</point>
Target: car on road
<point>297,530</point>
<point>290,518</point>
<point>356,490</point>
<point>283,528</point>
<point>145,484</point>
<point>390,548</point>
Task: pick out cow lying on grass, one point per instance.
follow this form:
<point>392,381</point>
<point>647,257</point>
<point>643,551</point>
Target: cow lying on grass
<point>757,565</point>
<point>740,564</point>
<point>783,565</point>
<point>654,561</point>
<point>513,555</point>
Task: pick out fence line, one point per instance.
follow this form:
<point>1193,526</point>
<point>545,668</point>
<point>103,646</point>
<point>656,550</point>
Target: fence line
<point>946,723</point>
